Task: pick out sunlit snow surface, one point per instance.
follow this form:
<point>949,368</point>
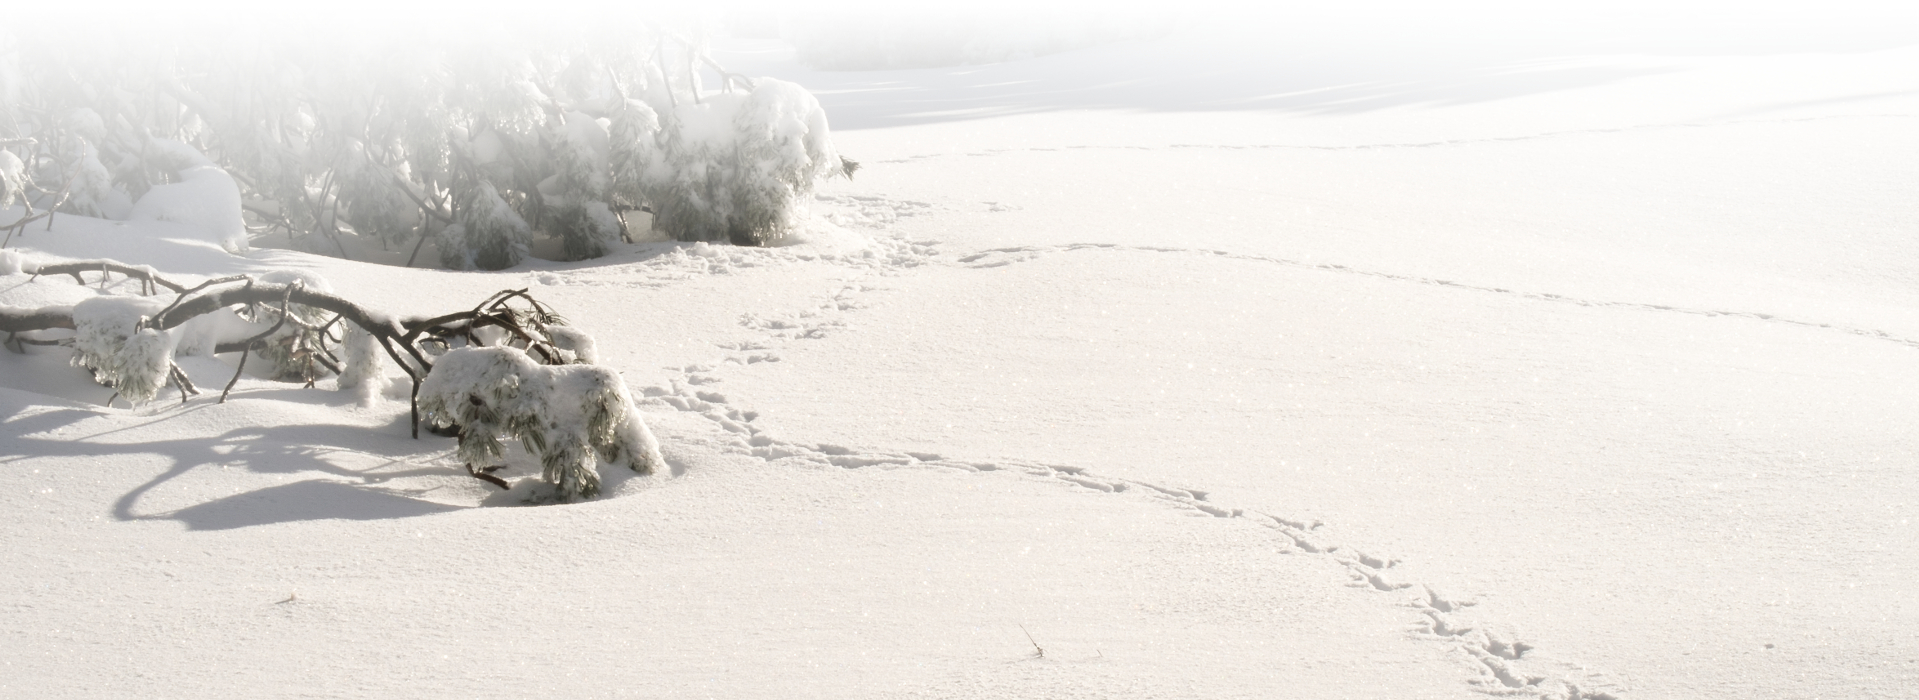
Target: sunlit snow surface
<point>1230,386</point>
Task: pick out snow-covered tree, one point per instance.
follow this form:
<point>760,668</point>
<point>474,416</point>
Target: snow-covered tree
<point>483,147</point>
<point>736,167</point>
<point>488,234</point>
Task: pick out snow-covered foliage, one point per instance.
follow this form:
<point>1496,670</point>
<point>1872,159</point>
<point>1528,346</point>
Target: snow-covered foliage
<point>737,166</point>
<point>370,198</point>
<point>565,414</point>
<point>632,149</point>
<point>13,178</point>
<point>577,193</point>
<point>483,147</point>
<point>294,348</point>
<point>111,338</point>
<point>575,341</point>
<point>490,234</point>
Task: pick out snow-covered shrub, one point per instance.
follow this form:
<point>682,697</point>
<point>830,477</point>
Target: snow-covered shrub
<point>370,198</point>
<point>92,191</point>
<point>577,193</point>
<point>737,166</point>
<point>578,418</point>
<point>110,339</point>
<point>489,234</point>
<point>585,228</point>
<point>293,349</point>
<point>484,146</point>
<point>575,341</point>
<point>566,414</point>
<point>632,150</point>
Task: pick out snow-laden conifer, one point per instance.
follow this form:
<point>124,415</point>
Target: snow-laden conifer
<point>483,148</point>
<point>632,150</point>
<point>370,198</point>
<point>91,190</point>
<point>576,193</point>
<point>567,415</point>
<point>489,234</point>
<point>515,370</point>
<point>737,167</point>
<point>110,338</point>
<point>294,348</point>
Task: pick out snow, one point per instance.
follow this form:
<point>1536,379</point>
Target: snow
<point>1334,368</point>
<point>203,197</point>
<point>111,338</point>
<point>364,365</point>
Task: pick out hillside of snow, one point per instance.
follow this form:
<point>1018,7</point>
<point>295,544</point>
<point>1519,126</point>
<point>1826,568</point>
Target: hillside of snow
<point>1232,360</point>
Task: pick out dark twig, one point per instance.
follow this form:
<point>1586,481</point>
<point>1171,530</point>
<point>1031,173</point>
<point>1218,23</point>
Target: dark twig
<point>1029,637</point>
<point>186,385</point>
<point>485,475</point>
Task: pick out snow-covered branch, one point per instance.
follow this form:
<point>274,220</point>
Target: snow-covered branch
<point>508,366</point>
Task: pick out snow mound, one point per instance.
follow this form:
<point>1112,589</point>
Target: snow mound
<point>203,196</point>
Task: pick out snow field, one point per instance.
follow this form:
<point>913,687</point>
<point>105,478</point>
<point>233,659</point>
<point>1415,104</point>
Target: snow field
<point>1378,379</point>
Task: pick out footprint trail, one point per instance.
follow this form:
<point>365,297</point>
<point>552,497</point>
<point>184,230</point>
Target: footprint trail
<point>1505,664</point>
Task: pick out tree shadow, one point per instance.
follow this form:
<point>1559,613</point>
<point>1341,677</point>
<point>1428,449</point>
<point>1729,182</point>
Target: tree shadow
<point>350,493</point>
<point>302,500</point>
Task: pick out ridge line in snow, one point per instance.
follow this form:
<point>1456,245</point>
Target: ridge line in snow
<point>1017,254</point>
<point>1414,144</point>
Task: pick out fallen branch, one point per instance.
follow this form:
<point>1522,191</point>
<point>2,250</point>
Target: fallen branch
<point>401,339</point>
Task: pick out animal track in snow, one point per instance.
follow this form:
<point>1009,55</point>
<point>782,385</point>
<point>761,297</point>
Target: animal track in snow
<point>663,264</point>
<point>1505,663</point>
<point>867,211</point>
